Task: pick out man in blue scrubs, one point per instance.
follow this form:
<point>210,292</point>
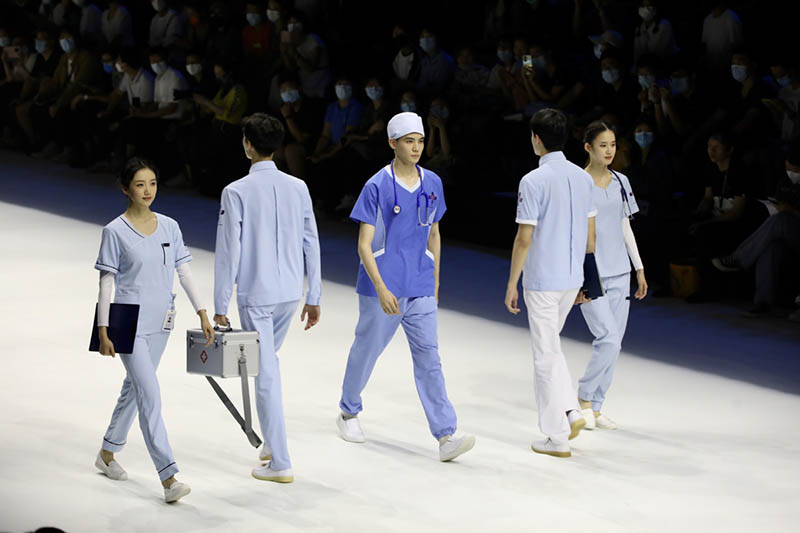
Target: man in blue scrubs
<point>266,241</point>
<point>399,244</point>
<point>556,200</point>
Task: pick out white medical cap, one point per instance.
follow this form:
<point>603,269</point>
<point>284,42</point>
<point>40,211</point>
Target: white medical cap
<point>404,123</point>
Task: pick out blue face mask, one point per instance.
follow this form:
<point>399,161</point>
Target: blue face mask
<point>428,44</point>
<point>739,72</point>
<point>108,68</point>
<point>254,19</point>
<point>290,96</point>
<point>679,85</point>
<point>505,56</point>
<point>408,107</point>
<point>647,81</point>
<point>439,111</point>
<point>5,41</point>
<point>611,76</point>
<point>40,45</point>
<point>343,92</point>
<point>784,81</point>
<point>159,68</point>
<point>643,138</point>
<point>68,45</point>
<point>374,93</point>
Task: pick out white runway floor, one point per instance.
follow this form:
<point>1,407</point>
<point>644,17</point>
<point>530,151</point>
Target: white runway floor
<point>695,452</point>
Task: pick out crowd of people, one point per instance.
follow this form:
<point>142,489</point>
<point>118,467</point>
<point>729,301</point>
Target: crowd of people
<point>706,118</point>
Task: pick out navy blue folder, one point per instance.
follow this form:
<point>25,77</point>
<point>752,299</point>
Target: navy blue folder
<point>591,278</point>
<point>122,321</point>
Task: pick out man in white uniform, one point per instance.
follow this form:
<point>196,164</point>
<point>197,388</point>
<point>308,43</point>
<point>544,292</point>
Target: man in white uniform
<point>556,200</point>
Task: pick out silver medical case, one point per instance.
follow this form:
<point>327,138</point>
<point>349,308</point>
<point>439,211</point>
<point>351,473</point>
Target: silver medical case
<point>221,357</point>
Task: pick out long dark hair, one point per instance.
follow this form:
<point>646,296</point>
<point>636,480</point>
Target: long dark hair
<point>132,166</point>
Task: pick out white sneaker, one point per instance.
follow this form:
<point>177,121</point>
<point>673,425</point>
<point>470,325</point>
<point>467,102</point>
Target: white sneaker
<point>176,491</point>
<point>266,473</point>
<point>112,470</point>
<point>588,415</point>
<point>350,429</point>
<point>576,423</point>
<point>451,447</point>
<point>548,447</point>
<point>603,422</point>
<point>265,454</point>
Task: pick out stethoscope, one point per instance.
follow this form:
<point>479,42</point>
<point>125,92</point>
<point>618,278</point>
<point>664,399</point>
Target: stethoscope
<point>626,207</point>
<point>421,193</point>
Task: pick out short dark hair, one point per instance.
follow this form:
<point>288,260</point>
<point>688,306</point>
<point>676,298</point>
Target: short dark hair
<point>132,166</point>
<point>264,132</point>
<point>551,127</point>
<point>131,56</point>
<point>724,138</point>
<point>158,51</point>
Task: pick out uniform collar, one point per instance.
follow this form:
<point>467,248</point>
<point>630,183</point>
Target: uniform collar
<point>262,165</point>
<point>552,156</point>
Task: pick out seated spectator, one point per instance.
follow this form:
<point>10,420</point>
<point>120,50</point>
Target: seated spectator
<point>436,67</point>
<point>470,81</point>
<point>654,35</point>
<point>406,61</point>
<point>368,140</point>
<point>165,26</point>
<point>66,14</point>
<point>304,54</point>
<point>301,118</point>
<point>506,79</point>
<point>722,31</point>
<point>408,103</point>
<point>199,79</point>
<point>116,25</point>
<point>438,146</point>
<point>197,28</point>
<point>785,109</point>
<point>683,104</point>
<point>18,62</point>
<point>90,27</point>
<point>617,94</point>
<point>649,90</point>
<point>543,81</point>
<point>256,35</point>
<point>342,117</point>
<point>608,40</point>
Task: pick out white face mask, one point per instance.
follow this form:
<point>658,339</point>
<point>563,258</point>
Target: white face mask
<point>194,68</point>
<point>119,68</point>
<point>599,48</point>
<point>159,68</point>
<point>402,65</point>
<point>294,27</point>
<point>273,15</point>
<point>647,13</point>
<point>611,76</point>
<point>158,5</point>
<point>343,91</point>
<point>254,19</point>
<point>739,72</point>
<point>647,81</point>
<point>794,177</point>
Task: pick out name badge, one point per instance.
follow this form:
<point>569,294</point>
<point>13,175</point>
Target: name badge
<point>169,321</point>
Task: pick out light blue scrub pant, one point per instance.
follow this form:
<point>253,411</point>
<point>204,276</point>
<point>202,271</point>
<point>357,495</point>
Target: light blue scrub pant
<point>374,331</point>
<point>141,393</point>
<point>607,318</point>
<point>272,323</point>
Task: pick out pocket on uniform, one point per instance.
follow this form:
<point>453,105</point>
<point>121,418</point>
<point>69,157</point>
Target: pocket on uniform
<point>431,215</point>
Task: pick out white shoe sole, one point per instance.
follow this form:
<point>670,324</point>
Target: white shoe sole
<point>276,479</point>
<point>554,453</point>
<point>178,495</point>
<point>466,445</point>
<point>339,426</point>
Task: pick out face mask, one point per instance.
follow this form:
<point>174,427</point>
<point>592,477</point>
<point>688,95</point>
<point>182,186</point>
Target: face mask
<point>402,65</point>
<point>108,68</point>
<point>739,72</point>
<point>643,138</point>
<point>408,107</point>
<point>5,41</point>
<point>647,81</point>
<point>158,5</point>
<point>785,81</point>
<point>374,93</point>
<point>505,56</point>
<point>290,96</point>
<point>40,46</point>
<point>611,76</point>
<point>78,3</point>
<point>539,62</point>
<point>159,68</point>
<point>294,27</point>
<point>599,48</point>
<point>439,111</point>
<point>194,68</point>
<point>428,44</point>
<point>679,85</point>
<point>794,177</point>
<point>119,68</point>
<point>647,13</point>
<point>68,45</point>
<point>254,19</point>
<point>343,92</point>
<point>273,15</point>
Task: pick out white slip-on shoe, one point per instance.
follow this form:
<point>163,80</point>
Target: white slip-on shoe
<point>176,491</point>
<point>113,470</point>
<point>588,415</point>
<point>576,423</point>
<point>548,447</point>
<point>266,473</point>
<point>451,447</point>
<point>603,422</point>
<point>265,454</point>
<point>350,429</point>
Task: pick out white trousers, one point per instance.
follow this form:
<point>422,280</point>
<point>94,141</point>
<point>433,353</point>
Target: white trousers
<point>547,312</point>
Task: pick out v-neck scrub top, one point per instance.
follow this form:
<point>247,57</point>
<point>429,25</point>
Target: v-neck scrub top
<point>400,244</point>
<point>144,267</point>
<point>611,254</point>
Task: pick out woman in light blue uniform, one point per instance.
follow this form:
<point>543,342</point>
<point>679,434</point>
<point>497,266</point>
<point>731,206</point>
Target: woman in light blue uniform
<point>139,253</point>
<point>607,317</point>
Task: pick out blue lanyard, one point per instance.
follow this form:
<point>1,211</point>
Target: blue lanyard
<point>421,193</point>
<point>626,209</point>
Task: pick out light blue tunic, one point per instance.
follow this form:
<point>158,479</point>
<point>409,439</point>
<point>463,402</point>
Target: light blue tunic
<point>610,251</point>
<point>557,199</point>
